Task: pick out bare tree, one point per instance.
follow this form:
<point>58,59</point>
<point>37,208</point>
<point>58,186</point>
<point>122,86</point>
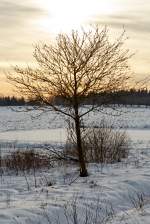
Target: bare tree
<point>72,67</point>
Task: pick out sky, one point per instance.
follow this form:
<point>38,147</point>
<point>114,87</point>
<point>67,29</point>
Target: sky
<point>23,23</point>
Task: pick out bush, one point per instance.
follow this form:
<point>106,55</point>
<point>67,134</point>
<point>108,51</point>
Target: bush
<point>26,160</point>
<point>101,145</point>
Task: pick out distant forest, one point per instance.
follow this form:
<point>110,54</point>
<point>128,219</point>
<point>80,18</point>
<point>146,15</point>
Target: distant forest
<point>130,97</point>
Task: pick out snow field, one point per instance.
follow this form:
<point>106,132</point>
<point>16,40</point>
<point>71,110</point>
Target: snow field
<point>121,191</point>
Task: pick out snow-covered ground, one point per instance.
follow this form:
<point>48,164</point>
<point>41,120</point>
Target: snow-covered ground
<point>37,127</point>
<point>121,192</point>
<point>11,120</point>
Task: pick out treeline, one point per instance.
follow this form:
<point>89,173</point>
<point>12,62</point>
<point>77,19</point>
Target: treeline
<point>133,97</point>
<point>122,97</point>
<point>130,97</point>
<point>12,101</point>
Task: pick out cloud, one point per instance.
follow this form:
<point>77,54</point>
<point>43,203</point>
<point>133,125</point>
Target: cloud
<point>137,22</point>
<point>13,13</point>
<point>135,17</point>
<point>19,28</point>
<point>16,28</point>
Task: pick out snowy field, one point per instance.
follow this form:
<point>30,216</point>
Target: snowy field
<point>11,120</point>
<point>37,127</point>
<point>116,193</point>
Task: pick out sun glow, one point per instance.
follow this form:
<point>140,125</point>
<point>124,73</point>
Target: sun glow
<point>63,15</point>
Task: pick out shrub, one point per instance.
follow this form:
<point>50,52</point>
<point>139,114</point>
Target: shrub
<point>101,145</point>
<point>26,160</point>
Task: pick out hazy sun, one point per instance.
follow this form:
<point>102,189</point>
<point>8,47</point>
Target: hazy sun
<point>63,15</point>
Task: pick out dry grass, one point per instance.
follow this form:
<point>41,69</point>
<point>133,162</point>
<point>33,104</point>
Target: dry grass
<point>25,160</point>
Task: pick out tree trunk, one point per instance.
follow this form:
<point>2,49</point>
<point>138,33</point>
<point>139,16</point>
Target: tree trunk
<point>83,170</point>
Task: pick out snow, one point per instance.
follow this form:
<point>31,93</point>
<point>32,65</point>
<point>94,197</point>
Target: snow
<point>114,185</point>
<point>123,186</point>
<point>11,119</point>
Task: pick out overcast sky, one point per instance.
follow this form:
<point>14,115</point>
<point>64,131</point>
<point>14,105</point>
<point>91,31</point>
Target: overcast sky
<point>25,22</point>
